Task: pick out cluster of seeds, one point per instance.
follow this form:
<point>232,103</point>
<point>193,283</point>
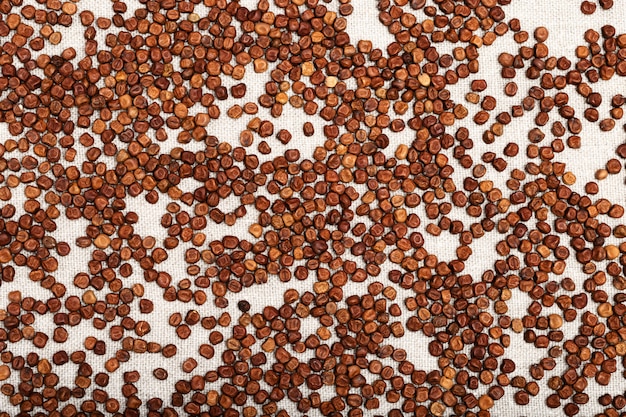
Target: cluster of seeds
<point>589,7</point>
<point>121,124</point>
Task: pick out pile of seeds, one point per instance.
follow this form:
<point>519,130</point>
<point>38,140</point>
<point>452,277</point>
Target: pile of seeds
<point>343,217</point>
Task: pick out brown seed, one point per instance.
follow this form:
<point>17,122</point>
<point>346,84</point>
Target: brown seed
<point>541,34</point>
<point>5,372</point>
<point>510,89</point>
<point>89,297</point>
<point>256,230</point>
<point>587,7</point>
<point>102,241</point>
<point>569,178</point>
<point>485,402</point>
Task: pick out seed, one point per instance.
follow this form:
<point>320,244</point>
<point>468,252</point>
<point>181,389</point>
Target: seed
<point>55,38</point>
<point>510,89</point>
<point>485,402</point>
<point>424,79</point>
<point>243,305</point>
<point>587,7</point>
<point>102,241</point>
<point>541,34</point>
<point>569,178</point>
<point>89,297</point>
<point>612,251</point>
<point>555,321</point>
<point>613,166</point>
<point>256,230</point>
<point>521,398</point>
<point>5,372</point>
<point>605,310</point>
<point>511,149</point>
<point>308,129</point>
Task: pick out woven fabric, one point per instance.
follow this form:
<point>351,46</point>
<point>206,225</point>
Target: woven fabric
<point>566,26</point>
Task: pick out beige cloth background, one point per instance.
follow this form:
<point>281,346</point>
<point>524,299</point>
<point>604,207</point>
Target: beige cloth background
<point>566,25</point>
